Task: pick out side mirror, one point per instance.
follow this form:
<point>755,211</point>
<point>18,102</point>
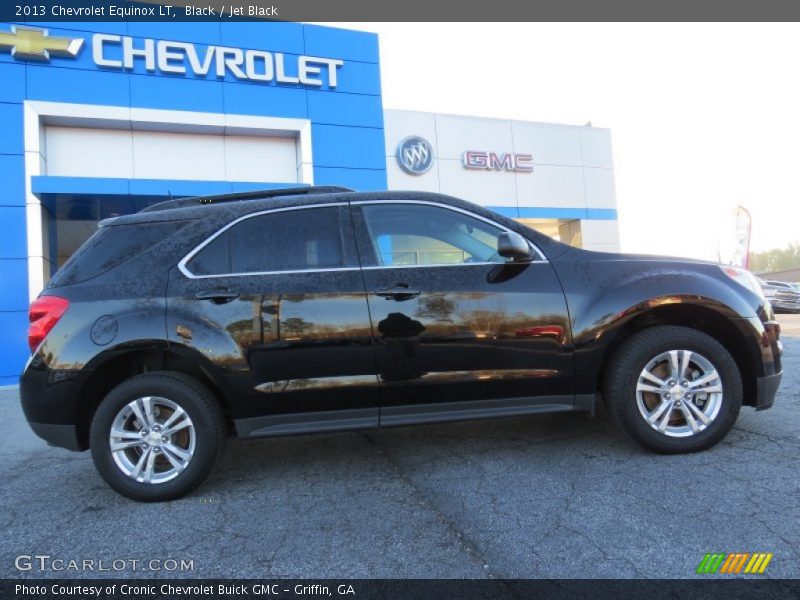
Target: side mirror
<point>512,245</point>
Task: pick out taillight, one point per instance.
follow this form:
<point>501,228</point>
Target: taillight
<point>43,314</point>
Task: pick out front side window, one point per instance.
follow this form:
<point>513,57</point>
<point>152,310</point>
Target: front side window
<point>417,234</point>
<point>293,240</point>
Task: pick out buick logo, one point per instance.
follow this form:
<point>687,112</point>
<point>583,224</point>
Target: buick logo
<point>415,155</point>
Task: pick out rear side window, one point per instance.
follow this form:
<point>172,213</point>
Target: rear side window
<point>292,240</point>
<point>109,247</point>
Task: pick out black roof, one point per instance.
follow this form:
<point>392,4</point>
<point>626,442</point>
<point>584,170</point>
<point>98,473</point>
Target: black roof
<point>232,206</point>
<point>244,196</point>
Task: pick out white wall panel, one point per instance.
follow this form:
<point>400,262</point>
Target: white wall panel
<point>551,186</point>
<point>400,180</point>
<point>458,134</point>
<point>573,166</point>
<point>549,144</point>
<point>596,147</point>
<point>600,191</point>
<point>489,188</point>
<point>603,233</point>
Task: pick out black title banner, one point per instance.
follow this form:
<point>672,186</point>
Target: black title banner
<point>385,589</point>
<point>407,10</point>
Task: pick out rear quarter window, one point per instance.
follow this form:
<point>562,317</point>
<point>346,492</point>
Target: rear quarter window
<point>110,247</point>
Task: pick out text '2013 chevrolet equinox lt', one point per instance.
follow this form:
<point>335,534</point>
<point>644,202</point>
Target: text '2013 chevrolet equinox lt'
<point>322,309</point>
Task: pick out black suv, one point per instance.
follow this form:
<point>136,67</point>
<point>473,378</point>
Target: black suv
<point>322,309</point>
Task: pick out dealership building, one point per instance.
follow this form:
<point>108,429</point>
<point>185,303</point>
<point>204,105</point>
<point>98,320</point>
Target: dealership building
<point>104,119</point>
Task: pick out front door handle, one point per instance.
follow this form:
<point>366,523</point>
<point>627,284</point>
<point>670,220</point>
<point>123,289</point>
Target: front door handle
<point>398,292</point>
<point>217,296</point>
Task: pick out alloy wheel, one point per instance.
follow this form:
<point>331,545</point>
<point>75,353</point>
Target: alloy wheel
<point>152,440</point>
<point>679,393</point>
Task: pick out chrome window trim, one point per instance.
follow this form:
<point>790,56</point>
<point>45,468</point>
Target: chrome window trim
<point>187,273</point>
<point>474,264</point>
<point>542,257</point>
<point>191,254</point>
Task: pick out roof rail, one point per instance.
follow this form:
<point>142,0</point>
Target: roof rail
<point>242,196</point>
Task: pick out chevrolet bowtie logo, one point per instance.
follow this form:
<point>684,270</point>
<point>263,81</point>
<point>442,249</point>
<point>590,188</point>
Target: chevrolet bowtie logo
<point>36,44</point>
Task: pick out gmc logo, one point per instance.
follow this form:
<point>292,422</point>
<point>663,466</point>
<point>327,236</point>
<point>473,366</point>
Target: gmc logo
<point>489,161</point>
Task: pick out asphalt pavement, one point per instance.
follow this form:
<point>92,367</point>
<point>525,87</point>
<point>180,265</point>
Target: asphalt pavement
<point>541,496</point>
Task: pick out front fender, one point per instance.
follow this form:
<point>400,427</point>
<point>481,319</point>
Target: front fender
<point>609,293</point>
<point>604,296</point>
<point>600,321</point>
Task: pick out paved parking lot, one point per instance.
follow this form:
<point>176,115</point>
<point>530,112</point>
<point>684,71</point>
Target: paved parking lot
<point>543,496</point>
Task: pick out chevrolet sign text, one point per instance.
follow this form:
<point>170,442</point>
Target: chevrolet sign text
<point>121,52</point>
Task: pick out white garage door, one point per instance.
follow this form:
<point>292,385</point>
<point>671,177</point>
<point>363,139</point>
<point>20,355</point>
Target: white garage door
<point>134,154</point>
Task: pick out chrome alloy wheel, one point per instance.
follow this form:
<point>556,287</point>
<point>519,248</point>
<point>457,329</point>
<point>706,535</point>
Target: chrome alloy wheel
<point>679,393</point>
<point>152,440</point>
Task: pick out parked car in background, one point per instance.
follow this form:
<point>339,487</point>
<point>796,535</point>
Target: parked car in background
<point>784,296</point>
<point>322,309</point>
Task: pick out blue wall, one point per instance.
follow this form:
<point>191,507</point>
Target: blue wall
<point>347,122</point>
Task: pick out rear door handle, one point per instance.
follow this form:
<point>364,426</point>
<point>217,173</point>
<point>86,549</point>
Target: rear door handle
<point>217,296</point>
<point>398,292</point>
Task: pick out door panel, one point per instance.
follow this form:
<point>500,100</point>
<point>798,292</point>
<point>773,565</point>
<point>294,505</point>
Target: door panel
<point>295,347</point>
<point>473,332</point>
<point>468,332</point>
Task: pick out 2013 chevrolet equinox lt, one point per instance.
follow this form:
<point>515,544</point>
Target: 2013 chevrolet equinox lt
<point>321,309</point>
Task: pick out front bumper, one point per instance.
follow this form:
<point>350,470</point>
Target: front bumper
<point>62,436</point>
<point>766,389</point>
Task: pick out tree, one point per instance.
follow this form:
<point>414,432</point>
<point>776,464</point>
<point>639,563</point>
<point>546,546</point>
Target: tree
<point>436,306</point>
<point>777,259</point>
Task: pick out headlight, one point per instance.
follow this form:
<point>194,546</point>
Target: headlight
<point>745,278</point>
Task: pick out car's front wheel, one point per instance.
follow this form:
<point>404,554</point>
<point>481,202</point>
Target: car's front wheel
<point>673,389</point>
<point>156,436</point>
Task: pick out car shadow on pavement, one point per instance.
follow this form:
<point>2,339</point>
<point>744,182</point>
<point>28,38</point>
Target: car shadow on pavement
<point>534,438</point>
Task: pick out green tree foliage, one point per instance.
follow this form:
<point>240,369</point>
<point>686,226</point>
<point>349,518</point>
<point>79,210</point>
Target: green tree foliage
<point>777,259</point>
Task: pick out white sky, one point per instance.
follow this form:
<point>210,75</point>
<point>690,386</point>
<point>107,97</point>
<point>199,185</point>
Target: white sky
<point>703,116</point>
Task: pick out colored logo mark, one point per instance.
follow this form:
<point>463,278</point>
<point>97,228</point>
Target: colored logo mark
<point>415,155</point>
<point>36,44</point>
<point>734,563</point>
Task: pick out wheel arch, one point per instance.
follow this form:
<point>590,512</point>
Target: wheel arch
<point>114,366</point>
<point>700,317</point>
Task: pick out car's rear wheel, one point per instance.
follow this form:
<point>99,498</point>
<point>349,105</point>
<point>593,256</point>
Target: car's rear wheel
<point>673,389</point>
<point>156,436</point>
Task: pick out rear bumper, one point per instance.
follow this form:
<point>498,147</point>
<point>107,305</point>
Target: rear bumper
<point>63,436</point>
<point>48,400</point>
<point>766,389</point>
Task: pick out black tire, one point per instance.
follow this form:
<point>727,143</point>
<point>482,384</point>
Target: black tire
<point>200,405</point>
<point>622,374</point>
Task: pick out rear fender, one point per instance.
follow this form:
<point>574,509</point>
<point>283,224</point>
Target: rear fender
<point>91,330</point>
